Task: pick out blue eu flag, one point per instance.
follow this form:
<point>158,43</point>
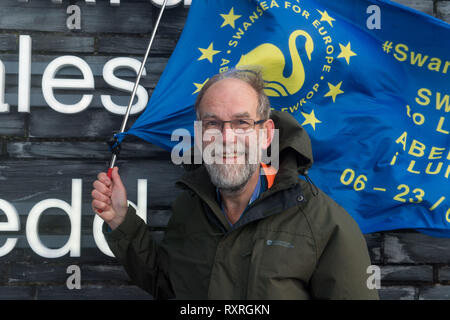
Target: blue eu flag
<point>368,80</point>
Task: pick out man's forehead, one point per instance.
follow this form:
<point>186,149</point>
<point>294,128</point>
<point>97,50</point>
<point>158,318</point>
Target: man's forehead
<point>231,93</point>
<point>234,115</point>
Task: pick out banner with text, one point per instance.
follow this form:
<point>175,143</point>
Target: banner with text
<point>368,80</point>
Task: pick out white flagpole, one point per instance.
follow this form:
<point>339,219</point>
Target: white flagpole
<point>136,84</point>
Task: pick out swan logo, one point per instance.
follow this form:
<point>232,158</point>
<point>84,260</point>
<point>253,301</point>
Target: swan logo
<point>301,51</point>
<point>272,62</point>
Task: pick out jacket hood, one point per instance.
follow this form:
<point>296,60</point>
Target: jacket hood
<point>295,145</point>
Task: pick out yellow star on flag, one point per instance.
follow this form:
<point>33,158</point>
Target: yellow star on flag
<point>326,17</point>
<point>334,91</point>
<point>229,19</point>
<point>346,52</point>
<point>199,86</point>
<point>310,119</point>
<point>208,53</point>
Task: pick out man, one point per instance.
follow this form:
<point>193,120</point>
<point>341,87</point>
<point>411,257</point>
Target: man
<point>238,231</point>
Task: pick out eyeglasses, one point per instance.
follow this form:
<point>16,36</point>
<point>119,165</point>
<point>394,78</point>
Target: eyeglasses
<point>237,125</point>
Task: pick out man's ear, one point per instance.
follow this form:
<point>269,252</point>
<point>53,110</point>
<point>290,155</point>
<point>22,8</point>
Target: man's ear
<point>266,139</point>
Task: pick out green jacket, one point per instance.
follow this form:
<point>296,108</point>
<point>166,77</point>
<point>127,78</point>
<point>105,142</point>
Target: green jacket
<point>293,242</point>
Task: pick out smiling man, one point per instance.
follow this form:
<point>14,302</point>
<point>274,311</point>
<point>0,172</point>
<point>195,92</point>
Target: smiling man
<point>241,230</point>
<point>234,169</point>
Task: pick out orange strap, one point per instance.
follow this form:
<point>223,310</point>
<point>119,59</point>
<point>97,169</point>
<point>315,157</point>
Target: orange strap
<point>270,173</point>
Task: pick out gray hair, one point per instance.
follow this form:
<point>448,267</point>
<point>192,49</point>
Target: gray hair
<point>251,76</point>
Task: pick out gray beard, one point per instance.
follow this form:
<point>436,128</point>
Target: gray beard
<point>231,178</point>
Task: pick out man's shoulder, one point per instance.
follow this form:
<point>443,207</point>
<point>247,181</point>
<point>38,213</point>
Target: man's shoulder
<point>320,205</point>
<point>326,216</point>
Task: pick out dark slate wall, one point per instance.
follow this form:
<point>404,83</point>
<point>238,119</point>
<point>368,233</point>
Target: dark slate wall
<point>42,151</point>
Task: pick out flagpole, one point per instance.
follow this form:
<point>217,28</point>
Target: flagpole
<point>136,84</point>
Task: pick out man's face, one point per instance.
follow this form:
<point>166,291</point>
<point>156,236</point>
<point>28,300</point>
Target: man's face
<point>235,156</point>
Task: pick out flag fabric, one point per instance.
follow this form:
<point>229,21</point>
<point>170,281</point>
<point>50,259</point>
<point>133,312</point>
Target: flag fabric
<point>368,80</point>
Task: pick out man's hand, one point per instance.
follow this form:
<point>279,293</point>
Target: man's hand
<point>110,197</point>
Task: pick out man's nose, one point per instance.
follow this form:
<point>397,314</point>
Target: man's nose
<point>228,135</point>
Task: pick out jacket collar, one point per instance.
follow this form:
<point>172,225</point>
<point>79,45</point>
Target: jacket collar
<point>283,195</point>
